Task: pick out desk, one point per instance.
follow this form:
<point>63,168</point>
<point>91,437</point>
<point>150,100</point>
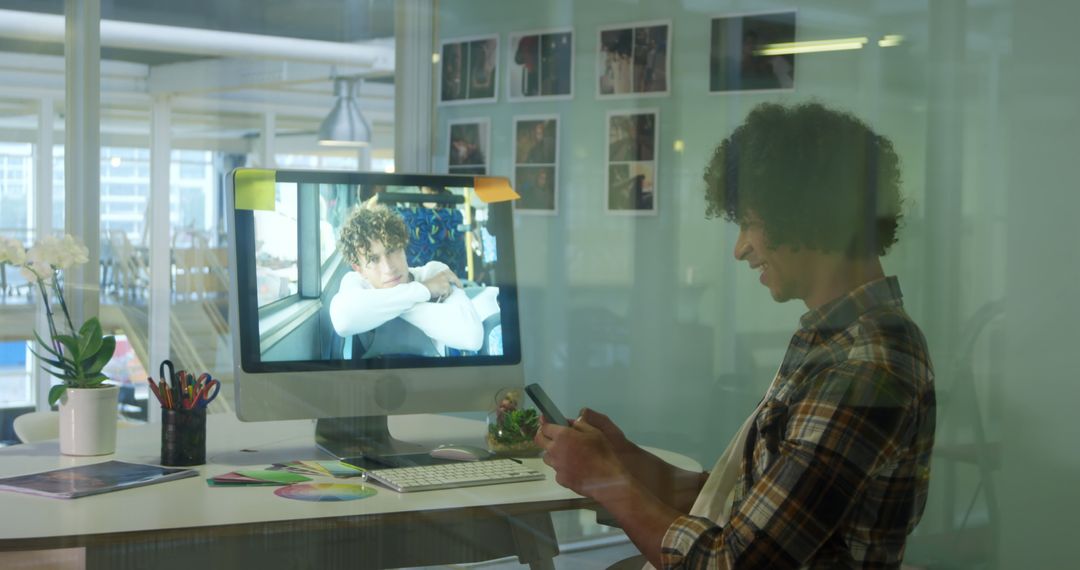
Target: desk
<point>187,524</point>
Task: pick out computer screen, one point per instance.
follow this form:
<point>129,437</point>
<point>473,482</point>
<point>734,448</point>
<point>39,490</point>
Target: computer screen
<point>366,294</point>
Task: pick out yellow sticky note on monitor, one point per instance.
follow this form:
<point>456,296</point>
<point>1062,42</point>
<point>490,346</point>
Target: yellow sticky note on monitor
<point>254,189</point>
<point>493,189</point>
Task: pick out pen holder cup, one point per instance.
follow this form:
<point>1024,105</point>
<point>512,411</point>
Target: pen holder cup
<point>183,437</point>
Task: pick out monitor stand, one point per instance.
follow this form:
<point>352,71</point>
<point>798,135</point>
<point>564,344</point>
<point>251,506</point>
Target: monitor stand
<point>366,441</point>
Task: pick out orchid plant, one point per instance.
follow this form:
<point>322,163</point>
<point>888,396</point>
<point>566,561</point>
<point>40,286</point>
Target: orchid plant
<point>76,358</point>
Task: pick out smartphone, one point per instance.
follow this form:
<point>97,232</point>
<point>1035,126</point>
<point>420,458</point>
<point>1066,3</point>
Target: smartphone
<point>546,406</point>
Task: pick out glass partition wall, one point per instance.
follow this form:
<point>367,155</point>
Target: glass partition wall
<point>198,109</point>
<point>634,303</point>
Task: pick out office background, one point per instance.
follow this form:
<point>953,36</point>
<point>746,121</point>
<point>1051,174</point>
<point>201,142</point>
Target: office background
<point>648,318</point>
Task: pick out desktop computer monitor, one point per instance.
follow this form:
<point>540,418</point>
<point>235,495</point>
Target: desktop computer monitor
<point>355,296</point>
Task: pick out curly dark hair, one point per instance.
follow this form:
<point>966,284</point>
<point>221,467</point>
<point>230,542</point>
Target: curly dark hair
<point>369,223</point>
<point>814,177</point>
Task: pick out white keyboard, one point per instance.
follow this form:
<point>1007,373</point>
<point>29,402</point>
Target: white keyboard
<point>452,475</point>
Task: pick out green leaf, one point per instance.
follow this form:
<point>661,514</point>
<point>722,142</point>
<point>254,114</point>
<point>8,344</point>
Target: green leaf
<point>71,344</point>
<point>90,336</point>
<point>96,362</point>
<point>62,365</point>
<point>47,346</point>
<point>66,374</point>
<point>55,393</point>
<point>89,326</point>
<point>60,375</point>
<point>90,381</point>
<point>62,362</point>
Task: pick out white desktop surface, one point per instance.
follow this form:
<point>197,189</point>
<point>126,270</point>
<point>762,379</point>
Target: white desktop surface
<point>33,522</point>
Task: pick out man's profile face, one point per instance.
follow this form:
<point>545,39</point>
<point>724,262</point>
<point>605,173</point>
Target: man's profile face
<point>383,269</point>
<point>784,271</point>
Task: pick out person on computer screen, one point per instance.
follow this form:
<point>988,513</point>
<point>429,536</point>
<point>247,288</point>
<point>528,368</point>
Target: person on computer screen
<point>832,468</point>
<point>397,309</point>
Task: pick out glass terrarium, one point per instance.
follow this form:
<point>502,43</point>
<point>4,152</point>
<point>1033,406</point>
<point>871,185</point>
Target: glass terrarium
<point>511,426</point>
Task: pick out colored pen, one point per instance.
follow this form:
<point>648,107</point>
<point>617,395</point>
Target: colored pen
<point>154,389</point>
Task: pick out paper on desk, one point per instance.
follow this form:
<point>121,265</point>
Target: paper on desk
<point>73,482</point>
<point>256,477</point>
<point>283,477</point>
<point>331,468</point>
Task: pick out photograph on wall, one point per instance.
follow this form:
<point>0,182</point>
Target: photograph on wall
<point>536,185</point>
<point>536,151</point>
<point>632,161</point>
<point>739,53</point>
<point>541,65</point>
<point>633,60</point>
<point>468,144</point>
<point>468,69</point>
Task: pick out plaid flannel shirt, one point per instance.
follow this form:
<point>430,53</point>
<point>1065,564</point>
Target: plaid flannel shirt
<point>837,462</point>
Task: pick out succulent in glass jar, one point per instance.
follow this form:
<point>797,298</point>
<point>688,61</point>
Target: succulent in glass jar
<point>511,427</point>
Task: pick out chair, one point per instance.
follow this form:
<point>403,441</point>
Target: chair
<point>129,272</point>
<point>485,300</point>
<point>963,443</point>
<point>13,283</point>
<point>330,346</point>
<point>435,235</point>
<point>33,427</point>
<point>198,269</point>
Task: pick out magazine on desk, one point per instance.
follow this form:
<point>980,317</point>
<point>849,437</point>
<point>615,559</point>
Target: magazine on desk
<point>74,482</point>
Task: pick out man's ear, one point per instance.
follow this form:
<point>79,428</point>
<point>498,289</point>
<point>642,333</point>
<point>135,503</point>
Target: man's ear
<point>355,267</point>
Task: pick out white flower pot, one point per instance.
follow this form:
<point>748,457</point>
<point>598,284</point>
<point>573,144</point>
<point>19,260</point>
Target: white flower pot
<point>88,420</point>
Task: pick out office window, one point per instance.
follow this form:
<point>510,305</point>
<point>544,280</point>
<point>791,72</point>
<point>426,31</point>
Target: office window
<point>334,207</point>
<point>16,387</point>
<point>58,186</point>
<point>194,192</point>
<point>317,161</point>
<point>276,256</point>
<point>16,188</point>
<point>125,190</point>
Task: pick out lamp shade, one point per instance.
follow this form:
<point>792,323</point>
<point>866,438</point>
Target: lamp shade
<point>345,125</point>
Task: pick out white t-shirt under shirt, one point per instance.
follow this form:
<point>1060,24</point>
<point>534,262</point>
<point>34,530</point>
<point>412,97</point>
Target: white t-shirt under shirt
<point>359,307</point>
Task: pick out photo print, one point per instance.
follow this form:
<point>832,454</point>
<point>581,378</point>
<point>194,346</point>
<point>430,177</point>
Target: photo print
<point>536,185</point>
<point>632,161</point>
<point>634,60</point>
<point>468,70</point>
<point>468,144</point>
<point>536,150</point>
<point>541,65</point>
<point>736,58</point>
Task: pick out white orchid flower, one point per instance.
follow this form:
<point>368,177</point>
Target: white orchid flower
<point>12,251</point>
<point>56,253</point>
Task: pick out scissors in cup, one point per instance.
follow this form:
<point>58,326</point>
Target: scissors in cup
<point>204,392</point>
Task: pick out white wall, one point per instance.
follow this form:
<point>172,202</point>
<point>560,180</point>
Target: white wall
<point>1041,463</point>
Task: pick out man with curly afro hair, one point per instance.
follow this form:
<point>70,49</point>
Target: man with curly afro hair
<point>390,308</point>
<point>832,468</point>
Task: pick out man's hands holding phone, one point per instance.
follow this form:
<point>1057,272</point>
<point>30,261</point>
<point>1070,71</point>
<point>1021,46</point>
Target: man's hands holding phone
<point>644,494</point>
<point>585,455</point>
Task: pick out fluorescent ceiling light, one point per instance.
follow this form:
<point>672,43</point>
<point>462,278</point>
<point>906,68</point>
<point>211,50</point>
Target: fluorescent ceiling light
<point>345,125</point>
<point>812,46</point>
<point>891,40</point>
